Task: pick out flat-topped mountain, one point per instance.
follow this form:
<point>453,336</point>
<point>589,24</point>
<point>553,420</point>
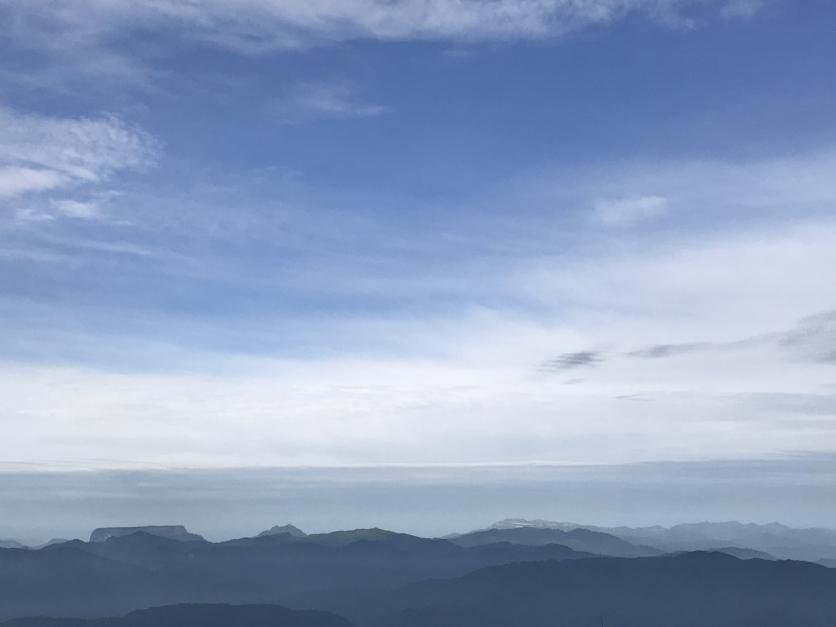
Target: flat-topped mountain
<point>172,532</point>
<point>202,615</point>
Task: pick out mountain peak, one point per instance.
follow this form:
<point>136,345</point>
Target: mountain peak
<point>278,530</point>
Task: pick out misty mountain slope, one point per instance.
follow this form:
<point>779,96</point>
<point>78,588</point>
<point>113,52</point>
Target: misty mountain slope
<point>144,570</point>
<point>205,615</point>
<point>689,590</point>
<point>742,553</point>
<point>69,581</point>
<point>773,539</point>
<point>139,548</point>
<point>578,539</point>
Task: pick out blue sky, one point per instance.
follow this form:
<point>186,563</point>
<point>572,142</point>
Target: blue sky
<point>338,233</point>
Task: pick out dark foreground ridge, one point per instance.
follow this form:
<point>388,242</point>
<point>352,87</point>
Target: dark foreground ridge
<point>204,615</point>
<point>688,590</point>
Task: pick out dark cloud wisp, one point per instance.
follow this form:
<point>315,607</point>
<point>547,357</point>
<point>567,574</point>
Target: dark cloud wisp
<point>567,361</point>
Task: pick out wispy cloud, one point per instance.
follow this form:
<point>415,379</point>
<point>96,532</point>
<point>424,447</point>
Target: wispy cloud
<point>629,211</point>
<point>658,351</point>
<point>15,180</point>
<point>258,25</point>
<point>77,208</point>
<point>567,361</point>
<point>691,191</point>
<point>49,158</point>
<point>324,100</point>
<point>742,8</point>
<point>813,339</point>
<point>81,149</point>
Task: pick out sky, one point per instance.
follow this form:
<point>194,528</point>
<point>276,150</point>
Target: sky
<point>417,234</point>
<point>426,500</point>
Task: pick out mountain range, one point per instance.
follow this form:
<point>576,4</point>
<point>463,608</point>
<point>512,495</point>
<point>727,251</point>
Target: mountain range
<point>578,539</point>
<point>780,541</point>
<point>516,572</point>
<point>126,572</point>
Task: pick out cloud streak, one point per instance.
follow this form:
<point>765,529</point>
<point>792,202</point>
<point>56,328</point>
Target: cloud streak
<point>255,26</point>
<point>568,361</point>
<point>629,211</point>
<point>311,101</point>
<point>51,155</point>
<point>658,351</point>
<point>812,339</point>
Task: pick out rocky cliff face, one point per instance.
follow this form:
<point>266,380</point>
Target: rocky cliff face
<point>172,532</point>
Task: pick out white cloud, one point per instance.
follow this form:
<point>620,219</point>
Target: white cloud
<point>81,149</point>
<point>629,211</point>
<point>318,100</point>
<point>256,25</point>
<point>43,154</point>
<point>697,192</point>
<point>16,180</point>
<point>719,288</point>
<point>742,8</point>
<point>77,208</point>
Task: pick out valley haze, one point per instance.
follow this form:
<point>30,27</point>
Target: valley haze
<point>429,501</point>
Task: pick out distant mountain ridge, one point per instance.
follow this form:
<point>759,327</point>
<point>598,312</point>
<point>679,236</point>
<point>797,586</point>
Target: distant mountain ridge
<point>741,553</point>
<point>578,539</point>
<point>774,539</point>
<point>14,544</point>
<point>172,532</point>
